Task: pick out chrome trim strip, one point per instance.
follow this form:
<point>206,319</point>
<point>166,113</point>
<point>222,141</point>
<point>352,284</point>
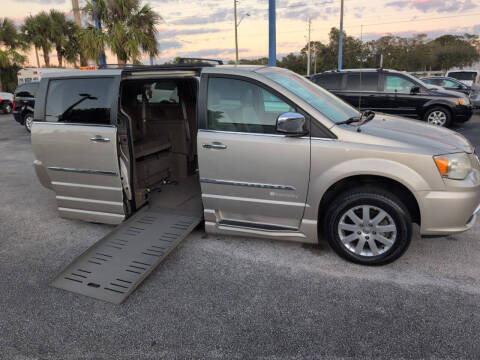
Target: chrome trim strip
<point>241,133</point>
<point>247,184</point>
<point>83,171</point>
<point>254,225</point>
<point>76,124</point>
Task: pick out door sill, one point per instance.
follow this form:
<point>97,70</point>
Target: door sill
<point>255,226</point>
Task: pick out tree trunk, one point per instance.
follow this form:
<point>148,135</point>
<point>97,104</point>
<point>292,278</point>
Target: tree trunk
<point>1,84</point>
<point>121,62</point>
<point>59,56</point>
<point>46,57</point>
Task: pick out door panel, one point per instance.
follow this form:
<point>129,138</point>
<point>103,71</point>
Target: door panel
<point>81,163</point>
<point>254,178</point>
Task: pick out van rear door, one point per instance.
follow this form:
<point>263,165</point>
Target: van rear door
<point>74,138</point>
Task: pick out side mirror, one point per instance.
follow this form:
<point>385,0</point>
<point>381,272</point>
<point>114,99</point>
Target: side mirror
<point>291,124</point>
<point>415,90</point>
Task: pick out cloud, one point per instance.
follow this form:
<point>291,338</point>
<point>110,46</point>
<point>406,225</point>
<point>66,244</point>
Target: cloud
<point>166,45</point>
<point>440,6</point>
<point>169,34</point>
<point>216,16</point>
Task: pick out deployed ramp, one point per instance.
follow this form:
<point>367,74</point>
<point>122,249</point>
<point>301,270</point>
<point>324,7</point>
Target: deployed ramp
<point>112,268</point>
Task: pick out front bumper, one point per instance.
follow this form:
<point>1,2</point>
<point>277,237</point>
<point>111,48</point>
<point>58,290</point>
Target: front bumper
<point>463,113</point>
<point>451,211</point>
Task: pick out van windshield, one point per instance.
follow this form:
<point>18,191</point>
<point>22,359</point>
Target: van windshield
<point>325,102</point>
<point>463,75</point>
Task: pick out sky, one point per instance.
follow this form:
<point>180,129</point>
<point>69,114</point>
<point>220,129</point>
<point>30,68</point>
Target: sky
<point>205,28</point>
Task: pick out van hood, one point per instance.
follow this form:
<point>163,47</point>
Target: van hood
<point>397,131</point>
<point>442,91</point>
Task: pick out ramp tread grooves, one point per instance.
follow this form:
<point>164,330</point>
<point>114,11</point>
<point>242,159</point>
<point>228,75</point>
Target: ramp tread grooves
<point>113,267</point>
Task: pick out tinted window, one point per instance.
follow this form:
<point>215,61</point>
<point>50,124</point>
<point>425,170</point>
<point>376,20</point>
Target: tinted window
<point>448,83</point>
<point>27,90</point>
<point>432,81</point>
<point>398,83</point>
<point>463,75</point>
<point>80,100</point>
<point>362,81</point>
<point>237,105</point>
<point>329,81</point>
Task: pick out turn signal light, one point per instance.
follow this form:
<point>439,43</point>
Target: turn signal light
<point>442,164</point>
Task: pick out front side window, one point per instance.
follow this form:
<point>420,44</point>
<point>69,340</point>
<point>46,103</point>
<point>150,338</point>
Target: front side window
<point>242,106</point>
<point>80,100</point>
<point>323,101</point>
<point>449,83</point>
<point>395,83</point>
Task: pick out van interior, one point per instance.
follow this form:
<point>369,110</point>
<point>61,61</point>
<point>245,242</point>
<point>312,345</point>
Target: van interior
<point>163,126</point>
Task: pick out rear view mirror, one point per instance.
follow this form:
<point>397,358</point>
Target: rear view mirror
<point>291,124</point>
<point>415,90</point>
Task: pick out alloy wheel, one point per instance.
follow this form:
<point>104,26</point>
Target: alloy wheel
<point>8,109</point>
<point>437,117</point>
<point>367,230</point>
<point>29,122</point>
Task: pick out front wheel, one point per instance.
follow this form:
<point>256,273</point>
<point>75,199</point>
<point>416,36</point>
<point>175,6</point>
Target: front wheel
<point>438,116</point>
<point>28,120</point>
<point>368,226</point>
<point>7,108</point>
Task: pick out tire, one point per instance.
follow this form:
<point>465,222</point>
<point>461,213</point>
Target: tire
<point>28,121</point>
<point>353,239</point>
<point>439,116</point>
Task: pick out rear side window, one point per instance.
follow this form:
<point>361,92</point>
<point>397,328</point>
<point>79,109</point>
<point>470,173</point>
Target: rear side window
<point>367,81</point>
<point>28,90</point>
<point>330,81</point>
<point>80,100</point>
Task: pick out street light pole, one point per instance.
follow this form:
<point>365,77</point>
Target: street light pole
<point>236,32</point>
<point>308,47</point>
<point>272,41</point>
<point>340,37</point>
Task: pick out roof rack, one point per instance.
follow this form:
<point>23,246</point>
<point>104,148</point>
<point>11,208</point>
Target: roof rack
<point>186,60</point>
<point>183,64</point>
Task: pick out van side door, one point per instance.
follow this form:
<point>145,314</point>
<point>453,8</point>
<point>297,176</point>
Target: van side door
<point>251,176</point>
<point>74,138</point>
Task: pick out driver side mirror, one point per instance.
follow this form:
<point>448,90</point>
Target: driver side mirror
<point>415,90</point>
<point>291,124</point>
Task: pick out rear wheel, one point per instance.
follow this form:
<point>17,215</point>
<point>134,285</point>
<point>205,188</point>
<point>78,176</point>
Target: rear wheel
<point>439,116</point>
<point>368,226</point>
<point>28,121</point>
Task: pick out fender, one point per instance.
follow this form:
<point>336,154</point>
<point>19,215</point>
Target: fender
<point>438,102</point>
<point>393,170</point>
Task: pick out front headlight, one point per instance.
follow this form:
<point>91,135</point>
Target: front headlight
<point>454,166</point>
<point>462,101</point>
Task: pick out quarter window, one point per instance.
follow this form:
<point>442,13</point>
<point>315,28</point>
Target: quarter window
<point>237,105</point>
<point>80,100</point>
<point>398,83</point>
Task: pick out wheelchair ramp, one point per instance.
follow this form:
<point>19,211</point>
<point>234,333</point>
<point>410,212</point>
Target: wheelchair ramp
<point>112,268</point>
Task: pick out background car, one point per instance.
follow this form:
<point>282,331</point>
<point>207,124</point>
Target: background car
<point>472,91</point>
<point>6,102</point>
<point>468,77</point>
<point>24,103</point>
<point>396,93</point>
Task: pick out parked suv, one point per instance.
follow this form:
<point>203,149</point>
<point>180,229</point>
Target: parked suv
<point>261,151</point>
<point>472,91</point>
<point>396,93</point>
<point>24,103</point>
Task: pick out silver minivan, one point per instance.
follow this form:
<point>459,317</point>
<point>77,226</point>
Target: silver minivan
<point>261,151</point>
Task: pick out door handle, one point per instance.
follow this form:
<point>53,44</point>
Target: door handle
<point>218,146</point>
<point>101,139</point>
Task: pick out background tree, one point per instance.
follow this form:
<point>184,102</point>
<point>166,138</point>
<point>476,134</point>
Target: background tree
<point>60,29</point>
<point>128,29</point>
<point>10,57</point>
<point>35,32</point>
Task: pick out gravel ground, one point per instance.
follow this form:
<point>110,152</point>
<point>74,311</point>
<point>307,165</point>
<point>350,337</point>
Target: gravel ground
<point>227,297</point>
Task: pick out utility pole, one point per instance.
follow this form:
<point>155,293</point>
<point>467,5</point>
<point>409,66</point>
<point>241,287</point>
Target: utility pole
<point>340,38</point>
<point>308,46</point>
<point>272,41</point>
<point>76,13</point>
<point>98,25</point>
<point>236,31</point>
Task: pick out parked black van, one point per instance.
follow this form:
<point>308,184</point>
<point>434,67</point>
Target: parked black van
<point>24,103</point>
<point>397,93</point>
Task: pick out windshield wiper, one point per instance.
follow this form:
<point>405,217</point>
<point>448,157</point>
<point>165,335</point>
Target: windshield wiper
<point>366,116</point>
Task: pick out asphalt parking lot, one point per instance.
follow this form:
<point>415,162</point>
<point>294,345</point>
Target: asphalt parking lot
<point>227,297</point>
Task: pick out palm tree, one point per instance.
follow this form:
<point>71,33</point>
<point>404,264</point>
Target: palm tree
<point>10,42</point>
<point>59,28</point>
<point>36,30</point>
<point>129,29</point>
